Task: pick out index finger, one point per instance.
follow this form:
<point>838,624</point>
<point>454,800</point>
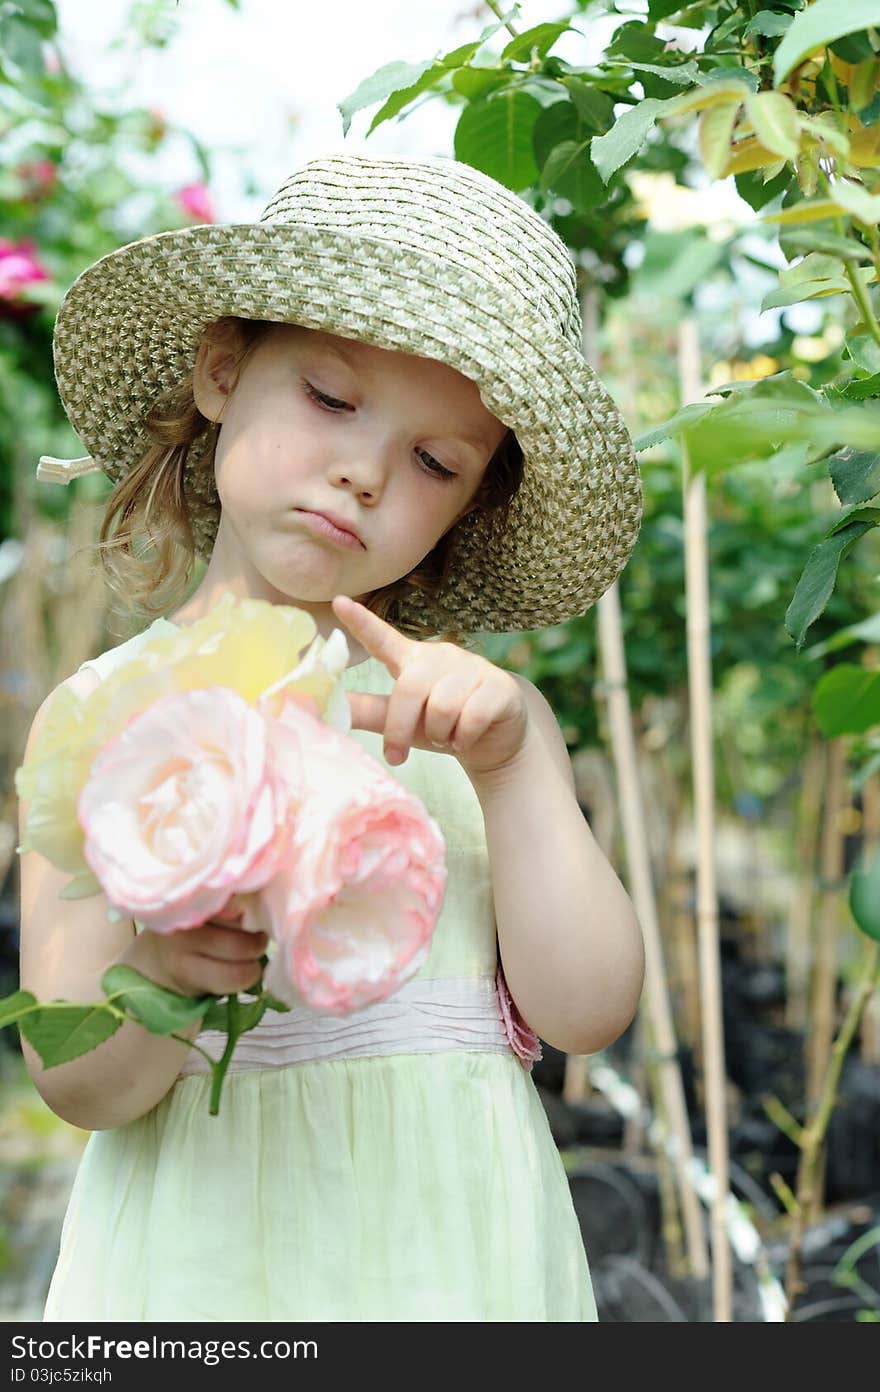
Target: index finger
<point>378,637</point>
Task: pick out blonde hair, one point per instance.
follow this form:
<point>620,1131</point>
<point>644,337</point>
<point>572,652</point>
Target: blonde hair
<point>146,543</point>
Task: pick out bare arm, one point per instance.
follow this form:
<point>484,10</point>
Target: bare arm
<point>569,937</point>
<point>67,945</point>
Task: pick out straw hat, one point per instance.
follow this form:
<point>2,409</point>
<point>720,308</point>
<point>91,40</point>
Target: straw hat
<point>426,256</point>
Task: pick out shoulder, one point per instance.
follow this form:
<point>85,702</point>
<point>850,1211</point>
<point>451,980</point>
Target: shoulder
<point>545,723</point>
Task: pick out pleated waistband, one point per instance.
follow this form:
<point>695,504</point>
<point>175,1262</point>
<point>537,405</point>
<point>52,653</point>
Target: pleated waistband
<point>423,1017</point>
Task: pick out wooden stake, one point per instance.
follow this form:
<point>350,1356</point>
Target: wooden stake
<point>798,941</point>
<point>824,994</point>
<point>871,838</point>
<point>656,994</point>
<point>637,854</point>
<point>700,688</point>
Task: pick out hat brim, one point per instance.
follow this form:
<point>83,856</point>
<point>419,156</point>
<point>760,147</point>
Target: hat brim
<point>130,325</point>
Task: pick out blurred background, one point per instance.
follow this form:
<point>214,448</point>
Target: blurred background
<point>121,119</point>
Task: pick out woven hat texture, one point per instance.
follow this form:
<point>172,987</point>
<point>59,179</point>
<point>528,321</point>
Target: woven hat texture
<point>426,256</point>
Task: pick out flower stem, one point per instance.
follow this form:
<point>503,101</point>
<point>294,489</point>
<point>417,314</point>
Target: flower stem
<point>219,1068</point>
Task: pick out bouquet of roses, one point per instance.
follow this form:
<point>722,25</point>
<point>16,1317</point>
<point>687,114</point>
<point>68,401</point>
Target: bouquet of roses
<point>217,762</point>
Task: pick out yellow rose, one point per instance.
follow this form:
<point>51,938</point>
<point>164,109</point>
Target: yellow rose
<point>253,647</point>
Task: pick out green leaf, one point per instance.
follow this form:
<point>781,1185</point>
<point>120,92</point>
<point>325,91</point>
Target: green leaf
<point>560,142</point>
<point>662,9</point>
<point>155,1007</point>
<point>594,107</point>
<point>864,899</point>
<point>11,1007</point>
<point>774,121</point>
<point>727,73</point>
<point>767,23</point>
<point>846,700</point>
<point>675,263</point>
<point>854,514</point>
<point>41,14</point>
<point>391,77</point>
<point>626,137</point>
<point>816,584</point>
<point>861,388</point>
<point>564,164</point>
<point>866,631</point>
<point>674,426</point>
<point>679,74</point>
<point>855,474</point>
<point>716,130</point>
<point>250,1013</point>
<point>805,290</point>
<point>819,24</point>
<point>856,199</point>
<point>479,82</point>
<point>816,265</point>
<point>216,1017</point>
<point>21,43</point>
<point>864,350</point>
<point>404,95</point>
<point>540,36</point>
<point>60,1032</point>
<point>399,83</point>
<point>273,1003</point>
<point>805,239</point>
<point>495,136</point>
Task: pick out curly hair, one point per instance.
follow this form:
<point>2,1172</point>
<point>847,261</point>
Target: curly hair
<point>146,543</point>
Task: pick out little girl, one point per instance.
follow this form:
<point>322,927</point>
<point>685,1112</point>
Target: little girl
<point>371,404</point>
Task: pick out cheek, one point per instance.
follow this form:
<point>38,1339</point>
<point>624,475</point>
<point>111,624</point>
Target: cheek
<point>258,472</point>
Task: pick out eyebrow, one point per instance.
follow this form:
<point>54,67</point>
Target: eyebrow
<point>478,440</point>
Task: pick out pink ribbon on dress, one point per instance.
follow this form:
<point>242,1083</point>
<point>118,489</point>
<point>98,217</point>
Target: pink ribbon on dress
<point>523,1040</point>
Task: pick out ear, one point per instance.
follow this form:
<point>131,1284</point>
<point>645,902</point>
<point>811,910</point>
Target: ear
<point>214,375</point>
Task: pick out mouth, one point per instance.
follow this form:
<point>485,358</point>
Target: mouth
<point>335,529</point>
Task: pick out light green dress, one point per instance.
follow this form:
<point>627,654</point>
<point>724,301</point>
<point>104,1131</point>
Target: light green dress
<point>404,1186</point>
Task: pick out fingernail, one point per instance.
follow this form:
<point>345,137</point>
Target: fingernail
<point>394,756</point>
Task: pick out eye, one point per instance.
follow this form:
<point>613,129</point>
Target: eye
<point>329,401</point>
<point>431,465</point>
<point>434,466</point>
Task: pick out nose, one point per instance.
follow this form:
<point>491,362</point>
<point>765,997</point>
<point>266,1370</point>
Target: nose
<point>364,475</point>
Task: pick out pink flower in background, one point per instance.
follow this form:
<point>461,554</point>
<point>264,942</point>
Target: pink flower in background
<point>523,1040</point>
<point>181,809</point>
<point>353,909</point>
<point>195,199</point>
<point>39,177</point>
<point>19,268</point>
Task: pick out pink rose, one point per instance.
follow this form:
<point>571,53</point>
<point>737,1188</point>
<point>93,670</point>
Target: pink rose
<point>195,199</point>
<point>19,268</point>
<point>181,809</point>
<point>353,908</point>
<point>522,1038</point>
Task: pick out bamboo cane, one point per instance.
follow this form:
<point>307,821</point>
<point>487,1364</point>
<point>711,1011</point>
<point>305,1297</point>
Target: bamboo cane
<point>870,1044</point>
<point>824,994</point>
<point>639,866</point>
<point>798,938</point>
<point>666,1072</point>
<point>700,687</point>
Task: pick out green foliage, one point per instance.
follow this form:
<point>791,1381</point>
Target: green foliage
<point>864,899</point>
<point>155,1007</point>
<point>74,185</point>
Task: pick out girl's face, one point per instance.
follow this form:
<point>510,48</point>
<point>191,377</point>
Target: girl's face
<point>388,446</point>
